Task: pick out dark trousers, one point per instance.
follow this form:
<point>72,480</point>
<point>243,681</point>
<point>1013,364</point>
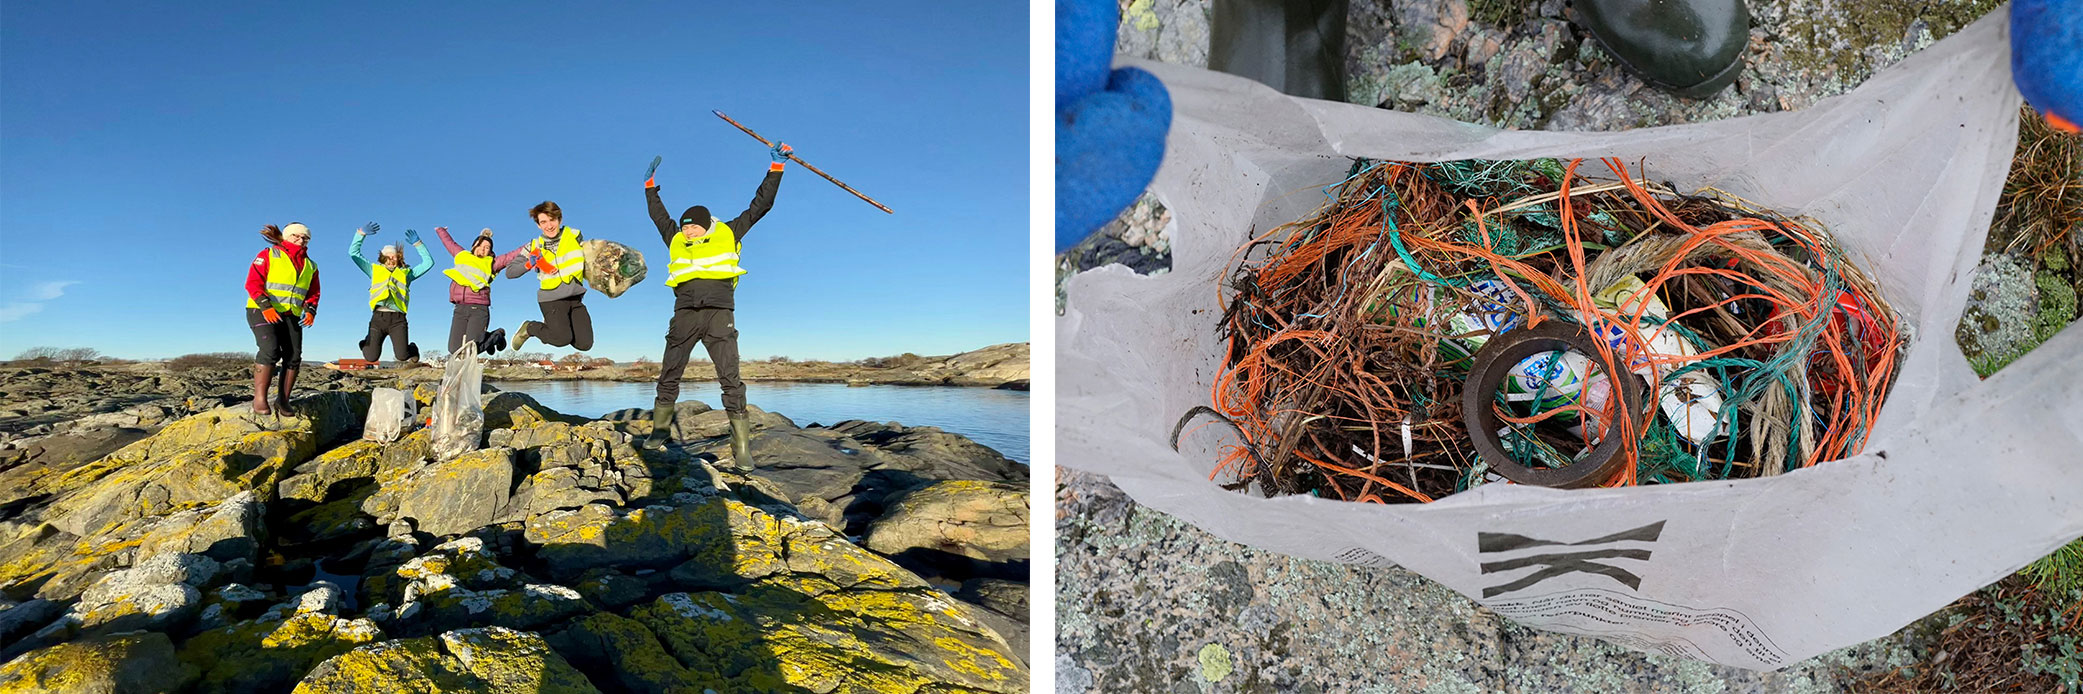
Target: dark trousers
<point>385,324</point>
<point>717,330</point>
<point>281,342</point>
<point>468,324</point>
<point>564,323</point>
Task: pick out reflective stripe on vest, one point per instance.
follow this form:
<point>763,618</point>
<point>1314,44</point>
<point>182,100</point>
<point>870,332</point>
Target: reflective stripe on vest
<point>385,283</point>
<point>712,256</point>
<point>568,261</point>
<point>288,286</point>
<point>471,271</point>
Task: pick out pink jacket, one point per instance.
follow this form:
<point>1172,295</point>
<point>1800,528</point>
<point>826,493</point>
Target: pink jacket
<point>459,294</point>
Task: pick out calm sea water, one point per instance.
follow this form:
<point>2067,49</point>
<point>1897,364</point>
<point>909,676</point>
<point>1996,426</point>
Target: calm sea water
<point>995,418</point>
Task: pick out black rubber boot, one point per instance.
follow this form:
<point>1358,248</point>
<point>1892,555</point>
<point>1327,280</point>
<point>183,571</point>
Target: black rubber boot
<point>263,376</point>
<point>289,383</point>
<point>1692,48</point>
<point>740,442</point>
<point>661,427</point>
<point>1295,46</point>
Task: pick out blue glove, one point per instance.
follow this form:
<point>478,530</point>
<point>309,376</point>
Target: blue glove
<point>412,237</point>
<point>780,152</point>
<point>651,174</point>
<point>368,229</point>
<point>1110,124</point>
<point>2047,59</point>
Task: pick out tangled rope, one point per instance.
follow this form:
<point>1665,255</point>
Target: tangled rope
<point>1349,334</point>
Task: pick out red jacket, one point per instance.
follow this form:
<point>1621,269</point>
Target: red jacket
<point>257,275</point>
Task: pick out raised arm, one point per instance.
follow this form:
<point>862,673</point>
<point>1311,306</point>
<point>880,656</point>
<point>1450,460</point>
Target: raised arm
<point>507,258</point>
<point>667,226</point>
<point>426,260</point>
<point>354,249</point>
<point>762,200</point>
<point>447,241</point>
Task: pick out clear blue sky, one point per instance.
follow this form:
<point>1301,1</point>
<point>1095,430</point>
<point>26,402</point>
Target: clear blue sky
<point>143,145</point>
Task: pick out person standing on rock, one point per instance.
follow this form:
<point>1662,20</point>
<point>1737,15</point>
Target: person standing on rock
<point>470,289</point>
<point>389,292</point>
<point>559,262</point>
<point>703,272</point>
<point>281,300</point>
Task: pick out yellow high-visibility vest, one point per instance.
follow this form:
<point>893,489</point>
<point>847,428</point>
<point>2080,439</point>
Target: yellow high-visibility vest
<point>711,256</point>
<point>567,262</point>
<point>287,285</point>
<point>471,271</point>
<point>385,283</point>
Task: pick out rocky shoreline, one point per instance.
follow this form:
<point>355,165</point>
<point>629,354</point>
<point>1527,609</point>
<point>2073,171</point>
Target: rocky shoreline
<point>208,549</point>
<point>1003,366</point>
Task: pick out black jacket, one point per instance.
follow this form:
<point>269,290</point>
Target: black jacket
<point>701,293</point>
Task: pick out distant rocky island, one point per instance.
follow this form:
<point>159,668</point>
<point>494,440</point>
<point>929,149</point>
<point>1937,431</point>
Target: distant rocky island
<point>155,535</point>
<point>997,366</point>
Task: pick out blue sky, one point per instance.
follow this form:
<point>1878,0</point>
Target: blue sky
<point>143,145</point>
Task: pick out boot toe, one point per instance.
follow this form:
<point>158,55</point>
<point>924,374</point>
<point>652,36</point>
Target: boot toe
<point>1692,48</point>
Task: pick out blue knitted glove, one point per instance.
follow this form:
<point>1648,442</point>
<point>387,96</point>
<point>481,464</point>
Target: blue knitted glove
<point>1110,124</point>
<point>2047,59</point>
<point>412,237</point>
<point>780,152</point>
<point>368,229</point>
<point>651,174</point>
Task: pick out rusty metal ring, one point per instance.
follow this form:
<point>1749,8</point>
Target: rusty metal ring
<point>1493,364</point>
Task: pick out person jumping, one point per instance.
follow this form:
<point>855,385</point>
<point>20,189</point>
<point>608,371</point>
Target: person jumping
<point>703,273</point>
<point>559,263</point>
<point>389,293</point>
<point>470,289</point>
<point>281,300</point>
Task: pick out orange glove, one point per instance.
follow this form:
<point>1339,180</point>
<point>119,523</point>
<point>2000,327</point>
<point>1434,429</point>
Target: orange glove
<point>268,314</point>
<point>310,314</point>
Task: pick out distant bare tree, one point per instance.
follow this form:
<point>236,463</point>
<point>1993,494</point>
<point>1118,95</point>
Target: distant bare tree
<point>59,354</point>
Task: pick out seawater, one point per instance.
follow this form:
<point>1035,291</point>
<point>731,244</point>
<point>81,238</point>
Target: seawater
<point>994,418</point>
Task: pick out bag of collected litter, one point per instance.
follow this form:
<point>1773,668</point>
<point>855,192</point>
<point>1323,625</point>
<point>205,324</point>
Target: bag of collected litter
<point>612,268</point>
<point>459,411</point>
<point>1960,483</point>
<point>390,414</point>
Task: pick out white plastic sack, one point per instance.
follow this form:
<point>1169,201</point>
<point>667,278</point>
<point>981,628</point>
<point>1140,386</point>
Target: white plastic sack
<point>459,409</point>
<point>1961,483</point>
<point>390,413</point>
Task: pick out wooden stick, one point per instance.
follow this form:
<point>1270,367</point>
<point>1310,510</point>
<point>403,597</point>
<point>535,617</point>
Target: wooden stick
<point>806,165</point>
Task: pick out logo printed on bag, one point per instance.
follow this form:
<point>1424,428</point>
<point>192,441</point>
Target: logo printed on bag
<point>1564,563</point>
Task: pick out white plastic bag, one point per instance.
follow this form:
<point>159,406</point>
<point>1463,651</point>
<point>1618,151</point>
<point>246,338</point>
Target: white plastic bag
<point>390,415</point>
<point>1961,483</point>
<point>459,411</point>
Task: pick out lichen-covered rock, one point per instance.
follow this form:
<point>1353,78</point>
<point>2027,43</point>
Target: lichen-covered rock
<point>159,593</point>
<point>716,543</point>
<point>271,655</point>
<point>317,481</point>
<point>448,498</point>
<point>619,651</point>
<point>491,660</point>
<point>773,637</point>
<point>985,521</point>
<point>141,663</point>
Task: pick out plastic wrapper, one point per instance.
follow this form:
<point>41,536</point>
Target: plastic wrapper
<point>390,415</point>
<point>1961,482</point>
<point>612,268</point>
<point>458,422</point>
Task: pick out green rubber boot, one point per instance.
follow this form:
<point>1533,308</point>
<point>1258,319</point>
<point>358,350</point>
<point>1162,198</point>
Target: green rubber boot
<point>661,427</point>
<point>740,441</point>
<point>1295,46</point>
<point>1692,48</point>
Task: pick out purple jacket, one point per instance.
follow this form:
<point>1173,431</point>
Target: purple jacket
<point>459,294</point>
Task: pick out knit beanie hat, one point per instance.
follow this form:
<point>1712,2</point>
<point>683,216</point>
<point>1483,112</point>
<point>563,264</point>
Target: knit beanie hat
<point>696,215</point>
